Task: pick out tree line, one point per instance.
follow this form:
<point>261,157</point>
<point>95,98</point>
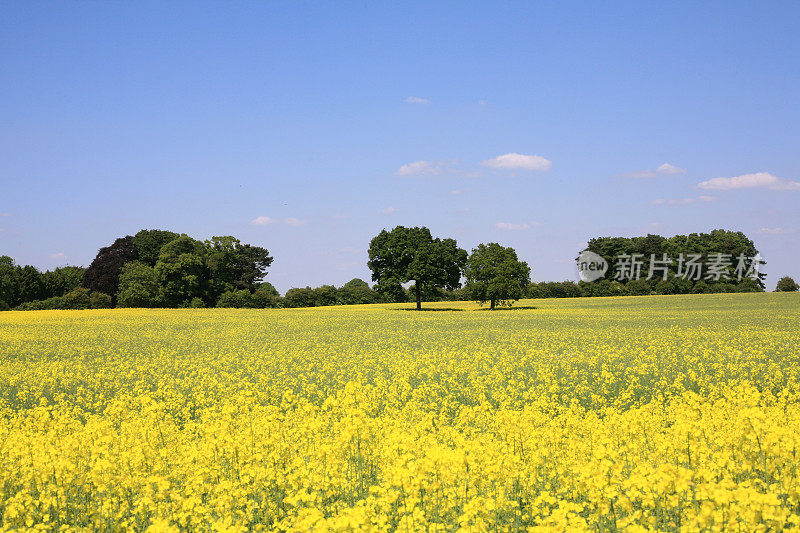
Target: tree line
<point>158,268</point>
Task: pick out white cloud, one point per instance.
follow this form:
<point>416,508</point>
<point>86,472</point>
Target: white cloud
<point>59,256</point>
<point>389,210</point>
<point>774,231</point>
<point>666,168</point>
<point>683,201</point>
<point>417,100</point>
<point>422,168</point>
<point>762,180</point>
<point>261,221</point>
<point>481,102</point>
<point>511,226</point>
<point>5,214</point>
<point>292,221</point>
<point>515,161</point>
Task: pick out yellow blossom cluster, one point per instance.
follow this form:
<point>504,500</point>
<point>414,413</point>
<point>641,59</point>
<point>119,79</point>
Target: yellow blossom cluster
<point>608,414</point>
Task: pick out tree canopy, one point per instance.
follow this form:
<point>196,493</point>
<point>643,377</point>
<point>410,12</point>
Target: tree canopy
<point>235,266</point>
<point>729,243</point>
<point>786,284</point>
<point>412,254</point>
<point>138,286</point>
<point>182,272</point>
<point>495,275</point>
<point>148,244</point>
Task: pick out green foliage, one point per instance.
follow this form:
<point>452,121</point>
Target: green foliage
<point>241,299</point>
<point>182,272</point>
<point>604,287</point>
<point>77,299</point>
<point>19,284</point>
<point>357,291</point>
<point>148,244</point>
<point>62,280</point>
<point>138,286</point>
<point>264,298</point>
<point>786,284</point>
<point>700,287</point>
<point>31,285</point>
<point>261,299</point>
<point>495,275</point>
<point>326,295</point>
<point>98,300</point>
<point>196,303</point>
<point>555,289</point>
<point>638,287</point>
<point>234,266</point>
<point>9,282</point>
<point>705,244</point>
<point>267,288</point>
<point>153,268</point>
<point>412,254</point>
<point>300,297</point>
<point>749,285</point>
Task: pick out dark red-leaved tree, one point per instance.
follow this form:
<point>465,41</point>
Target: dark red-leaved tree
<point>103,274</point>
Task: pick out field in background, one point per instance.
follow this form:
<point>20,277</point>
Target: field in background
<point>663,412</point>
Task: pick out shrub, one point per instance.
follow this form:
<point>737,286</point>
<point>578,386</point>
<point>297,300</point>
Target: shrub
<point>263,299</point>
<point>300,297</point>
<point>237,299</point>
<point>99,300</point>
<point>638,287</point>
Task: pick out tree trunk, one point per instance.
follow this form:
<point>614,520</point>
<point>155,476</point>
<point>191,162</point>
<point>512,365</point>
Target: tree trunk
<point>418,290</point>
<point>491,305</point>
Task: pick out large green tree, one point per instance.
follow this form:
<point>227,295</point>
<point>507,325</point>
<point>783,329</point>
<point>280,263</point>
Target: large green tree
<point>235,266</point>
<point>61,280</point>
<point>412,254</point>
<point>31,285</point>
<point>9,283</point>
<point>182,272</point>
<point>495,275</point>
<point>148,244</point>
<point>138,286</point>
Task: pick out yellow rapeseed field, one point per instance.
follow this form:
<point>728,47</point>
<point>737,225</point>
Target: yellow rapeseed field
<point>640,413</point>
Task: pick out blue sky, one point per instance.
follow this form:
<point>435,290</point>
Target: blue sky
<point>309,127</point>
